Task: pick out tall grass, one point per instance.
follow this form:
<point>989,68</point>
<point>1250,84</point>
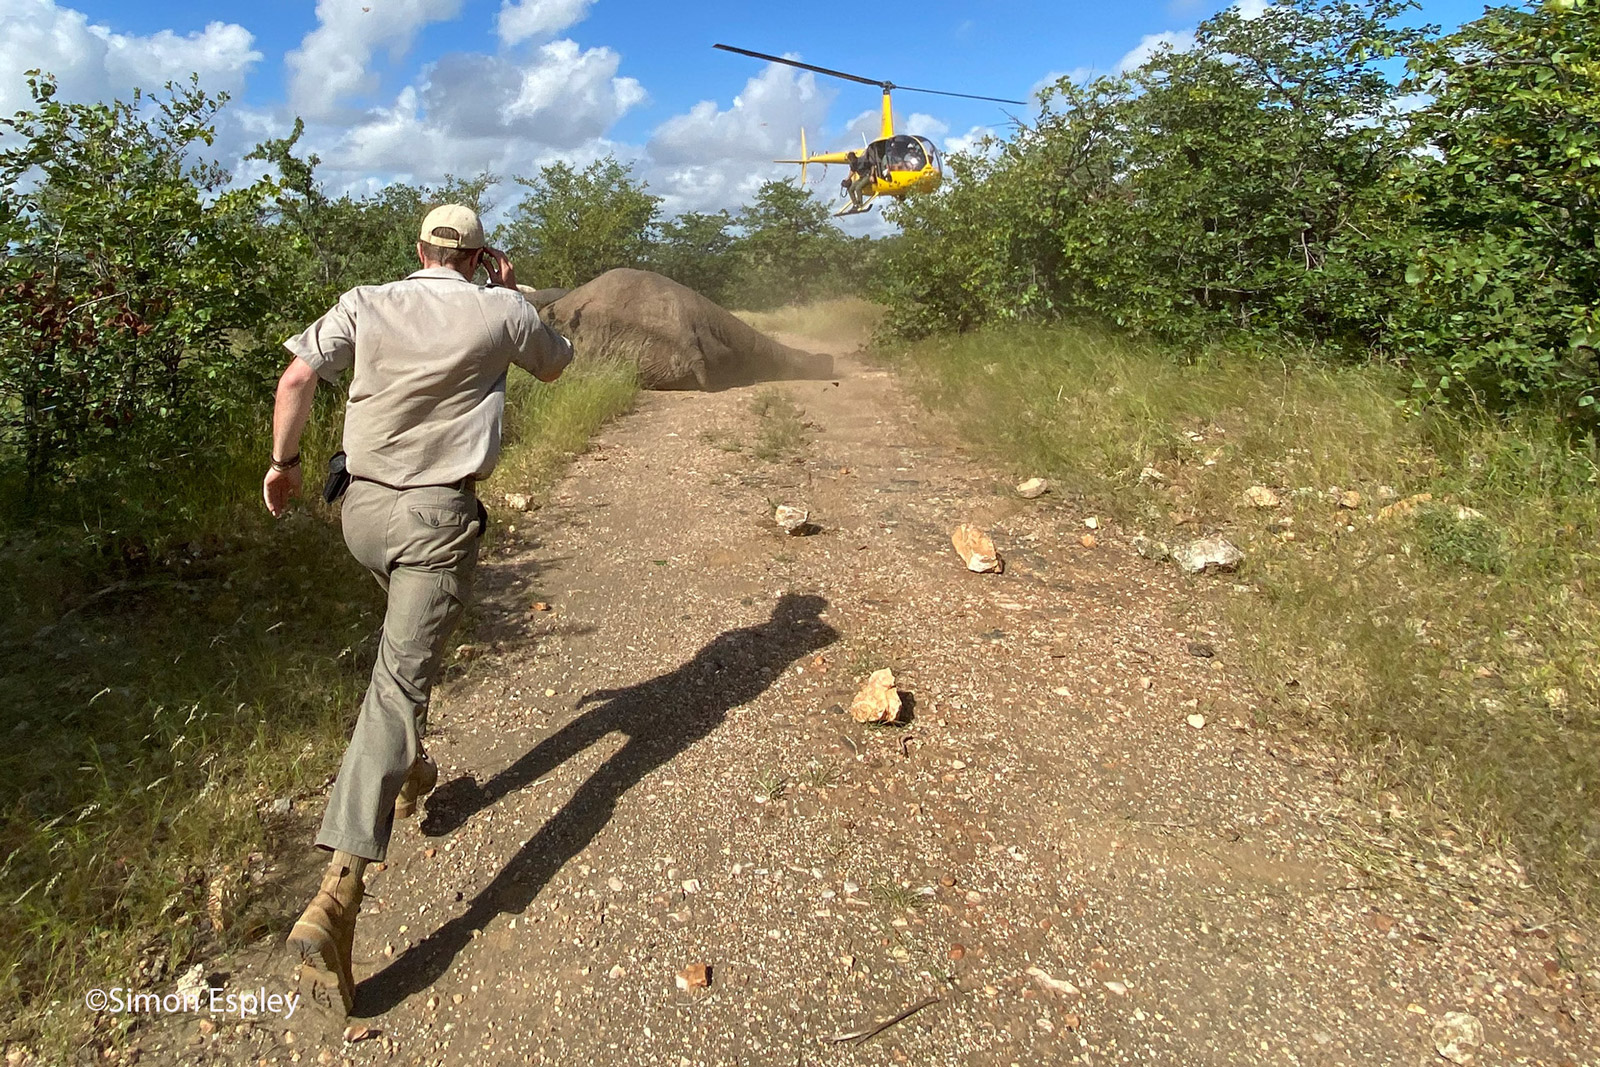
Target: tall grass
<point>548,424</point>
<point>178,665</point>
<point>1452,641</point>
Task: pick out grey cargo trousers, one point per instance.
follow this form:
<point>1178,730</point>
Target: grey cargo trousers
<point>422,546</point>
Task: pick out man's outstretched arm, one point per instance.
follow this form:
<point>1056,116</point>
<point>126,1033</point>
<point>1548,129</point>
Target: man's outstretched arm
<point>296,389</point>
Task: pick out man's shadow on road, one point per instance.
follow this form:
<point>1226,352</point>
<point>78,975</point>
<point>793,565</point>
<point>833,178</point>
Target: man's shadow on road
<point>661,717</point>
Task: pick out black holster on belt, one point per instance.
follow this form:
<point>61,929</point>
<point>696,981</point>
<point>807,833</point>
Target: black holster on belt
<point>338,478</point>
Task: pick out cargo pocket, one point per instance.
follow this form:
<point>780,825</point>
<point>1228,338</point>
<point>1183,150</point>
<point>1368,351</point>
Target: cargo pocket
<point>440,518</point>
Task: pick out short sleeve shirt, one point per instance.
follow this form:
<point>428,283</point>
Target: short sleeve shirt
<point>429,356</point>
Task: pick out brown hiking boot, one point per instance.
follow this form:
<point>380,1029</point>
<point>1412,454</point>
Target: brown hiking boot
<point>325,935</point>
<point>418,784</point>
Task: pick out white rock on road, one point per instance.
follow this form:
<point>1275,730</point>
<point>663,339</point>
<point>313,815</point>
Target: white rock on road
<point>1261,497</point>
<point>791,519</point>
<point>1457,1036</point>
<point>1033,488</point>
<point>879,700</point>
<point>1208,554</point>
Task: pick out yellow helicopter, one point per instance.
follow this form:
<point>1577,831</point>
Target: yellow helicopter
<point>896,165</point>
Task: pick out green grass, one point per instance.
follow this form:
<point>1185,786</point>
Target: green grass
<point>821,775</point>
<point>546,425</point>
<point>780,426</point>
<point>722,441</point>
<point>770,784</point>
<point>175,661</point>
<point>894,896</point>
<point>1454,649</point>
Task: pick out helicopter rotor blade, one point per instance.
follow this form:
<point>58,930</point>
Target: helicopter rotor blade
<point>805,66</point>
<point>886,85</point>
<point>964,96</point>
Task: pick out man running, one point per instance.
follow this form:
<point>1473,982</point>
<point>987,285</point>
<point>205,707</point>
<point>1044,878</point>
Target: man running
<point>429,356</point>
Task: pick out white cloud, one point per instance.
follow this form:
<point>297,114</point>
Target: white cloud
<point>711,158</point>
<point>973,141</point>
<point>867,125</point>
<point>91,62</point>
<point>763,122</point>
<point>560,95</point>
<point>1151,44</point>
<point>473,112</point>
<point>536,102</point>
<point>521,19</point>
<point>1176,40</point>
<point>334,61</point>
<point>221,54</point>
<point>709,186</point>
<point>862,128</point>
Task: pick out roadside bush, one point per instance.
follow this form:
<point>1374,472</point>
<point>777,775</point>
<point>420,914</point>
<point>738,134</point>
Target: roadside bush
<point>128,276</point>
<point>1461,536</point>
<point>175,661</point>
<point>1277,180</point>
<point>1504,257</point>
<point>790,252</point>
<point>696,249</point>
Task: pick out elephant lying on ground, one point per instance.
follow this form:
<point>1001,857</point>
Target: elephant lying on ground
<point>542,298</point>
<point>678,338</point>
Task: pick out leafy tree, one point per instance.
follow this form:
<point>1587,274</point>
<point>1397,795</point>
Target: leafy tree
<point>1223,188</point>
<point>790,249</point>
<point>575,225</point>
<point>330,245</point>
<point>128,267</point>
<point>1263,159</point>
<point>1024,228</point>
<point>697,250</point>
<point>1505,268</point>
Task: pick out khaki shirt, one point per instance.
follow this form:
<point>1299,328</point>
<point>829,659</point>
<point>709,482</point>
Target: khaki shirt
<point>430,353</point>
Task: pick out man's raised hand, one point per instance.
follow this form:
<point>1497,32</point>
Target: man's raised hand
<point>501,272</point>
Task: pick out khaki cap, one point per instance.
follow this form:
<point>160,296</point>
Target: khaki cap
<point>458,217</point>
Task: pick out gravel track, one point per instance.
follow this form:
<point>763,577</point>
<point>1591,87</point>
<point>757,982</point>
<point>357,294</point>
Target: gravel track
<point>657,772</point>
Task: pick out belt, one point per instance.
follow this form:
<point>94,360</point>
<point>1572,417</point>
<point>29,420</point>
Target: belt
<point>465,485</point>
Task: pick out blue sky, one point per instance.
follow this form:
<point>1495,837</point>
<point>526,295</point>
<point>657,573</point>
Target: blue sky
<point>410,88</point>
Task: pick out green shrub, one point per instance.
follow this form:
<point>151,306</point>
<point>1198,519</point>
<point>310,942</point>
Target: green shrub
<point>128,273</point>
<point>1462,536</point>
<point>1270,184</point>
<point>1504,258</point>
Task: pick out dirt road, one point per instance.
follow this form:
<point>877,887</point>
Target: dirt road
<point>1050,858</point>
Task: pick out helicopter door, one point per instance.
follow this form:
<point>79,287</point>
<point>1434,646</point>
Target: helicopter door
<point>872,160</point>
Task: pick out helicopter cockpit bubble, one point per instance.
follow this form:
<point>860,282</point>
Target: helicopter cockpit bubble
<point>905,153</point>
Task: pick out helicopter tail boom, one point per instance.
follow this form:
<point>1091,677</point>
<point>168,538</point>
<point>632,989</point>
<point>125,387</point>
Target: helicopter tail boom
<point>806,158</point>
